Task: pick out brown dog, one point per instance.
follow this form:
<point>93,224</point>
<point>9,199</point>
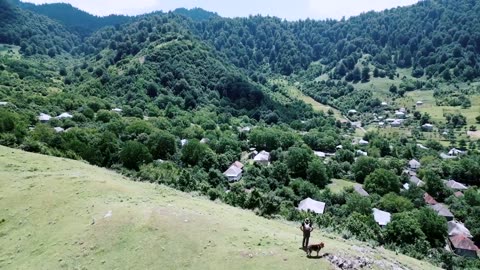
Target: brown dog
<point>316,248</point>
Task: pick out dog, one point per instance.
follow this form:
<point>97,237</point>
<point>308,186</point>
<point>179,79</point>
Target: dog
<point>316,248</point>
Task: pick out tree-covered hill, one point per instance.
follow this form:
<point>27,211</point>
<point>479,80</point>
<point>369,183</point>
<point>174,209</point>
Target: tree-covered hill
<point>177,98</point>
<point>35,34</point>
<point>76,20</point>
<point>433,37</point>
<point>196,14</point>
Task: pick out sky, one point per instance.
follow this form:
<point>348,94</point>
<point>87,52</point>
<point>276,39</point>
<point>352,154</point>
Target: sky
<point>287,9</point>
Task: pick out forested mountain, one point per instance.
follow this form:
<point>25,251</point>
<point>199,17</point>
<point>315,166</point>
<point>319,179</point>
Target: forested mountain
<point>76,20</point>
<point>433,37</point>
<point>196,14</point>
<point>436,38</point>
<point>35,34</point>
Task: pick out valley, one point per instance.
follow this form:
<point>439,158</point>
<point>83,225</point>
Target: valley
<point>188,140</point>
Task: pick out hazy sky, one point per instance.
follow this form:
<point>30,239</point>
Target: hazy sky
<point>289,9</point>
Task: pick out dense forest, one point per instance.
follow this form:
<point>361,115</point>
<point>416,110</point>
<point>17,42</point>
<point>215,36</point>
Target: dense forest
<point>175,98</point>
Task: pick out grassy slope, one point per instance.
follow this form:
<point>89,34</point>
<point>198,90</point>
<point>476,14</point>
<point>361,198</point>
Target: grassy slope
<point>10,50</point>
<point>338,185</point>
<point>54,217</point>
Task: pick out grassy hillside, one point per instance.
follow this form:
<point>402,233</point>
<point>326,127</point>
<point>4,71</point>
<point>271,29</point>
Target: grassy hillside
<point>59,213</point>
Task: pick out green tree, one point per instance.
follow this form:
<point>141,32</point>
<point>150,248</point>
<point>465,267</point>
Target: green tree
<point>365,74</point>
<point>404,229</point>
<point>161,144</point>
<point>133,154</point>
<point>394,203</point>
<point>433,226</point>
<point>193,152</point>
<point>298,160</point>
<point>382,181</point>
<point>364,166</point>
<point>317,174</point>
<point>434,184</point>
<point>186,182</point>
<point>358,204</point>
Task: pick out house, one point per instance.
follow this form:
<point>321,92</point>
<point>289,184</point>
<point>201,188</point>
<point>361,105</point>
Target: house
<point>233,173</point>
<point>455,152</point>
<point>3,103</point>
<point>396,123</point>
<point>384,104</point>
<point>204,140</point>
<point>352,112</point>
<point>419,103</point>
<point>403,110</point>
<point>381,124</point>
<point>445,156</point>
<point>311,205</point>
<point>455,185</point>
<point>381,217</point>
<point>463,246</point>
<point>361,153</point>
<point>414,164</point>
<point>44,118</point>
<point>416,181</point>
<point>359,189</point>
<point>421,146</point>
<point>183,142</point>
<point>252,154</point>
<point>357,124</point>
<point>245,129</point>
<point>409,173</point>
<point>458,194</point>
<point>427,127</point>
<point>406,186</point>
<point>238,164</point>
<point>339,147</point>
<point>442,210</point>
<point>117,110</point>
<point>399,114</point>
<point>320,154</point>
<point>262,158</point>
<point>457,228</point>
<point>363,142</point>
<point>59,129</point>
<point>64,116</point>
<point>429,199</point>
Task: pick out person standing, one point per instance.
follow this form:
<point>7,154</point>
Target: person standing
<point>306,228</point>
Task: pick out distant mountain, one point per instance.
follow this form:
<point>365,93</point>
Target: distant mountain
<point>34,33</point>
<point>196,14</point>
<point>78,21</point>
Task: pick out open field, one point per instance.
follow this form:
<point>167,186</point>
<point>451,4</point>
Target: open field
<point>338,185</point>
<point>293,92</point>
<point>10,50</point>
<point>59,213</point>
<point>315,105</point>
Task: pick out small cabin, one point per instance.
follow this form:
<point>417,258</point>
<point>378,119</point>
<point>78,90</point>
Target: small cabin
<point>427,127</point>
<point>262,158</point>
<point>311,205</point>
<point>381,217</point>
